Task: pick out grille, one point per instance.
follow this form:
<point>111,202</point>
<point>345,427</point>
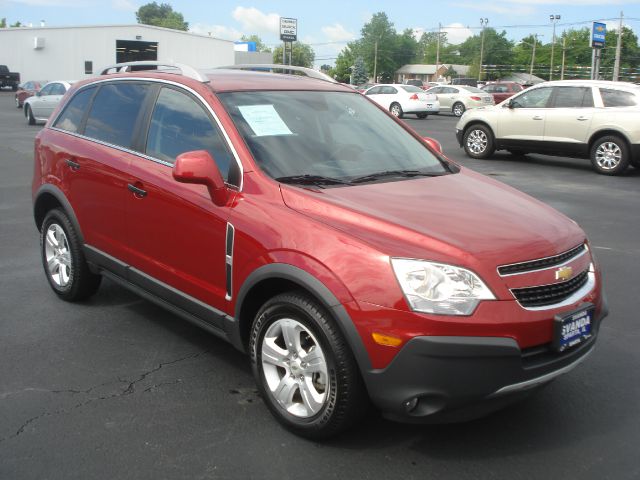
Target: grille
<point>541,263</point>
<point>549,294</point>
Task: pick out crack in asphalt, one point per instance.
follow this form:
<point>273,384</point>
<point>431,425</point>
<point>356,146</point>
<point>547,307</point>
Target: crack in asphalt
<point>127,391</point>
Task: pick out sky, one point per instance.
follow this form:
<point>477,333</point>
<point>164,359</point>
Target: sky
<point>328,25</point>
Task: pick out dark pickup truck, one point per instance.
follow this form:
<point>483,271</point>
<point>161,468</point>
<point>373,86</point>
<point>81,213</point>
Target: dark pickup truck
<point>9,79</point>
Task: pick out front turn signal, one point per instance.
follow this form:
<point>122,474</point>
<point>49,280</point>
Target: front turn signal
<point>386,340</point>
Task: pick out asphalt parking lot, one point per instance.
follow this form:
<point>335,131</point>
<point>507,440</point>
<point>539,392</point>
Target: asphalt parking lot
<point>116,387</point>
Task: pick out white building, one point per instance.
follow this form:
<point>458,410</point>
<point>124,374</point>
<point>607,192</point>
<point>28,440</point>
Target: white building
<point>74,53</point>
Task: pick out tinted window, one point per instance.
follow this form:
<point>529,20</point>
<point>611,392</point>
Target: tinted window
<point>180,124</point>
<point>71,117</point>
<point>412,89</point>
<point>114,113</point>
<point>572,97</point>
<point>389,90</point>
<point>617,98</point>
<point>58,89</point>
<point>47,90</point>
<point>374,91</point>
<point>537,98</point>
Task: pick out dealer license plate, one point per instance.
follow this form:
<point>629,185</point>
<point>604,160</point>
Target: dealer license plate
<point>573,327</point>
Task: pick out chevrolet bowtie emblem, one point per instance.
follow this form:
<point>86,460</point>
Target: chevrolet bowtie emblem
<point>564,273</point>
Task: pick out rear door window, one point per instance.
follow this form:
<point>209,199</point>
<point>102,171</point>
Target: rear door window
<point>180,124</point>
<point>71,117</point>
<point>572,97</point>
<point>115,111</point>
<point>58,89</point>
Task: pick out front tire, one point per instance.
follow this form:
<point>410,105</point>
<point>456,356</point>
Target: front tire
<point>458,109</point>
<point>63,260</point>
<point>396,110</point>
<point>610,155</point>
<point>304,368</point>
<point>31,120</point>
<point>18,105</point>
<point>478,142</point>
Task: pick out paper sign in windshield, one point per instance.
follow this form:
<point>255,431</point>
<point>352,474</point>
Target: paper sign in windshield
<point>264,120</point>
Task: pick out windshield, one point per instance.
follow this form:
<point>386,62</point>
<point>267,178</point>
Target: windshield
<point>327,138</point>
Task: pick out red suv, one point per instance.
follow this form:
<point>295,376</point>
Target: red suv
<point>301,222</point>
<point>502,90</point>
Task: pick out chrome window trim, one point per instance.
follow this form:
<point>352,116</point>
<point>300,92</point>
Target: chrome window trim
<point>231,232</point>
<point>143,155</point>
<point>573,298</point>
<point>586,249</point>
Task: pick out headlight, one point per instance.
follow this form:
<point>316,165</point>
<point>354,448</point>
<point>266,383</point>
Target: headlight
<point>439,288</point>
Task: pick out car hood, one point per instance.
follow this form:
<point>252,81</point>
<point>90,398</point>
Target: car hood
<point>464,218</point>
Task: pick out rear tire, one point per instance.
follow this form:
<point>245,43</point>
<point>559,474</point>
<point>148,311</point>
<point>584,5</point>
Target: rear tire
<point>422,115</point>
<point>396,110</point>
<point>610,155</point>
<point>478,142</point>
<point>31,120</point>
<point>63,260</point>
<point>304,368</point>
<point>14,88</point>
<point>458,109</point>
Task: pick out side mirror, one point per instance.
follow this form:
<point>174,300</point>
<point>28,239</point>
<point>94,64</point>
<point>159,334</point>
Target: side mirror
<point>433,143</point>
<point>510,103</point>
<point>38,94</point>
<point>199,167</point>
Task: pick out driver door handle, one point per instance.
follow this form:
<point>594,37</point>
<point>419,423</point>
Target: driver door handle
<point>537,117</point>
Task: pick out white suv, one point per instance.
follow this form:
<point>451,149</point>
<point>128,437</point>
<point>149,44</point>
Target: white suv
<point>579,118</point>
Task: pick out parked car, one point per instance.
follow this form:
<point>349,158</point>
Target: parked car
<point>365,86</point>
<point>9,79</point>
<point>469,82</point>
<point>39,107</point>
<point>581,118</point>
<point>294,218</point>
<point>502,90</point>
<point>26,90</point>
<point>458,99</point>
<point>402,99</point>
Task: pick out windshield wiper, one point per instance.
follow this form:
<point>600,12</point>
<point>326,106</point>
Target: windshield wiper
<point>307,179</point>
<point>395,173</point>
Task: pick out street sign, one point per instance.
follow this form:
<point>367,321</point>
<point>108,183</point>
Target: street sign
<point>598,34</point>
<point>288,29</point>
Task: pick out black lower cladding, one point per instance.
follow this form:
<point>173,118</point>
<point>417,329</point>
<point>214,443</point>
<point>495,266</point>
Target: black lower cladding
<point>445,379</point>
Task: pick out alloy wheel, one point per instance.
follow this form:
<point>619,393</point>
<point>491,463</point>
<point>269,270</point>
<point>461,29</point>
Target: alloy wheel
<point>294,368</point>
<point>608,155</point>
<point>58,255</point>
<point>477,142</point>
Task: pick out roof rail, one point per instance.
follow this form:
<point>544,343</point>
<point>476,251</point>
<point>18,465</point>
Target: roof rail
<point>309,72</point>
<point>169,67</point>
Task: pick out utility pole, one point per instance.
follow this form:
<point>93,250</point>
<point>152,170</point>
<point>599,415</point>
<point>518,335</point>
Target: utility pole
<point>533,57</point>
<point>616,65</point>
<point>375,62</point>
<point>564,53</point>
<point>483,22</point>
<point>438,52</point>
<point>554,19</point>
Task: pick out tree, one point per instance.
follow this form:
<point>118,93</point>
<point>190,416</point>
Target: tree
<point>3,23</point>
<point>359,73</point>
<point>161,15</point>
<point>302,55</point>
<point>498,51</point>
<point>16,25</point>
<point>260,46</point>
<point>344,63</point>
<point>377,46</point>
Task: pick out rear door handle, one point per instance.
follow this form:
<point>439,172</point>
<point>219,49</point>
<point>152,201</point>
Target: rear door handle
<point>537,117</point>
<point>138,192</point>
<point>582,119</point>
<point>73,165</point>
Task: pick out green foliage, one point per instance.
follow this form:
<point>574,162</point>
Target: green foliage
<point>302,55</point>
<point>346,58</point>
<point>260,46</point>
<point>3,23</point>
<point>16,25</point>
<point>498,50</point>
<point>161,15</point>
<point>359,74</point>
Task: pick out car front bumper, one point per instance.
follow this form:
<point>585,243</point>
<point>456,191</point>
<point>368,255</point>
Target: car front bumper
<point>437,379</point>
<point>459,136</point>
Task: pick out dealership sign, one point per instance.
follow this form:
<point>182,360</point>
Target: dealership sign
<point>288,29</point>
<point>598,34</point>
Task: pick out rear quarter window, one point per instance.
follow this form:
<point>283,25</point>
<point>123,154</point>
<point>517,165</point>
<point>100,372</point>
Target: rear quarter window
<point>617,98</point>
<point>114,113</point>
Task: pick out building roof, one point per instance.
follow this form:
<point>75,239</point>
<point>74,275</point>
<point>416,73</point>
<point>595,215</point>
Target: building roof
<point>417,69</point>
